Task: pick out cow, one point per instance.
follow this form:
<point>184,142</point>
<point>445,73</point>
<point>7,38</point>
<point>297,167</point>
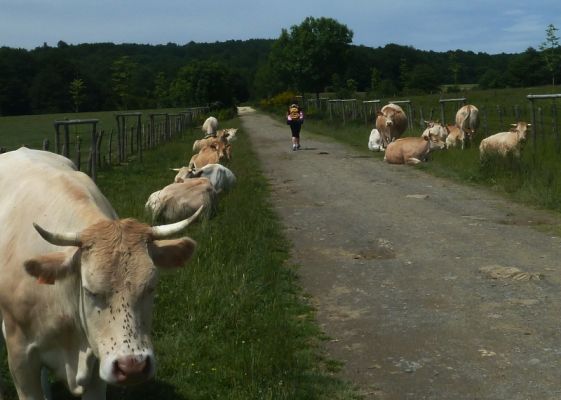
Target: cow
<point>210,126</point>
<point>412,150</point>
<point>467,119</point>
<point>455,137</point>
<point>212,154</point>
<point>505,143</point>
<point>78,283</point>
<point>375,141</point>
<point>224,135</point>
<point>435,128</point>
<point>391,121</point>
<point>229,134</point>
<point>180,200</point>
<point>221,178</point>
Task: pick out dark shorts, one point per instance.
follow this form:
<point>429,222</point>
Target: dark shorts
<point>295,127</point>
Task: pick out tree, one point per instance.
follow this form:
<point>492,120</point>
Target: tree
<point>311,53</point>
<point>551,52</point>
<point>161,89</point>
<point>205,82</point>
<point>454,66</point>
<point>121,76</point>
<point>77,88</point>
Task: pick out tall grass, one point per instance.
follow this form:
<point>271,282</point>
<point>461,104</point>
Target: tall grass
<point>233,323</point>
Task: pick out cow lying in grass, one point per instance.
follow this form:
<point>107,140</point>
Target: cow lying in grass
<point>412,150</point>
<point>375,141</point>
<point>224,135</point>
<point>504,143</point>
<point>222,178</point>
<point>435,128</point>
<point>182,199</point>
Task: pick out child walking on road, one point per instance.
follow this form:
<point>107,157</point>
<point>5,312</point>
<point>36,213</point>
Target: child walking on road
<point>295,118</point>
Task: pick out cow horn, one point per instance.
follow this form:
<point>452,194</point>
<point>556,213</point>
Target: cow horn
<point>164,231</point>
<point>59,239</point>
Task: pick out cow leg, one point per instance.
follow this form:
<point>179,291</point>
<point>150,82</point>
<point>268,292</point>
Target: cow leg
<point>412,161</point>
<point>26,372</point>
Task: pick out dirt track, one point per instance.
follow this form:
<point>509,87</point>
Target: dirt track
<point>407,272</point>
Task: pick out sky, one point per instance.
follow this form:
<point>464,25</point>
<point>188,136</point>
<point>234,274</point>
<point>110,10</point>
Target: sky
<point>509,26</point>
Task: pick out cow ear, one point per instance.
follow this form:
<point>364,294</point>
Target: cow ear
<point>172,253</point>
<point>52,266</point>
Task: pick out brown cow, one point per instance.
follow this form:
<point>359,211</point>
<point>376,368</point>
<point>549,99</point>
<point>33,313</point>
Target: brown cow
<point>455,137</point>
<point>391,122</point>
<point>212,154</point>
<point>504,143</point>
<point>412,150</point>
<point>78,299</point>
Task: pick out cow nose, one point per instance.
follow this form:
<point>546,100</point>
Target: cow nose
<point>132,369</point>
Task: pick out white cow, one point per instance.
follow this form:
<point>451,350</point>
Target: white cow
<point>78,283</point>
<point>181,200</point>
<point>375,142</point>
<point>435,128</point>
<point>505,143</point>
<point>221,178</point>
<point>210,126</point>
<point>467,119</point>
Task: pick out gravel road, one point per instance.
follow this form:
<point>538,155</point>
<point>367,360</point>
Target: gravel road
<point>428,289</point>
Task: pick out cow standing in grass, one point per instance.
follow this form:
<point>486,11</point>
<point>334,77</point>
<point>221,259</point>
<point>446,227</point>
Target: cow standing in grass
<point>505,143</point>
<point>78,283</point>
<point>467,120</point>
<point>391,122</point>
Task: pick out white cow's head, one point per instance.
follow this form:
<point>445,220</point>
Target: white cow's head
<point>114,264</point>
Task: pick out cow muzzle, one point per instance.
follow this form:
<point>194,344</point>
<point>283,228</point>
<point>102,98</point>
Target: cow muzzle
<point>129,370</point>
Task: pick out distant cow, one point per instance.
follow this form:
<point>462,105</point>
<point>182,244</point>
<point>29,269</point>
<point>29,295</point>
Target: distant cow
<point>391,122</point>
<point>375,141</point>
<point>221,178</point>
<point>455,137</point>
<point>224,135</point>
<point>78,283</point>
<point>467,119</point>
<point>213,154</point>
<point>210,126</point>
<point>504,143</point>
<point>412,150</point>
<point>181,200</point>
<point>435,128</point>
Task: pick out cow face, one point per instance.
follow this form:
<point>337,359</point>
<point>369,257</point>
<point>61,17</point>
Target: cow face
<point>116,263</point>
<point>435,128</point>
<point>435,142</point>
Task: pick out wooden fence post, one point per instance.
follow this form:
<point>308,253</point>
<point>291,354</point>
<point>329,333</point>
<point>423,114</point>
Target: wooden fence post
<point>78,154</point>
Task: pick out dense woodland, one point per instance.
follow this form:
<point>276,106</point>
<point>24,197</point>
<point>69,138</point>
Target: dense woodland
<point>107,76</point>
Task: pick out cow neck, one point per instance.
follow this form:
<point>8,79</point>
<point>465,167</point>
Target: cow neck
<point>82,314</point>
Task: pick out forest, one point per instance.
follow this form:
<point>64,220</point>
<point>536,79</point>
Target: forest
<point>108,76</point>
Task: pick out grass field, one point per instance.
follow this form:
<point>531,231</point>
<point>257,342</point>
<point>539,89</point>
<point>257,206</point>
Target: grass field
<point>233,324</point>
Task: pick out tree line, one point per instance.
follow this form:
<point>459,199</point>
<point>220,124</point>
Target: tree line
<point>312,57</point>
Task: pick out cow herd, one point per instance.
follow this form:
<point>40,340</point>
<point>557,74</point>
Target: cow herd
<point>391,122</point>
<point>200,182</point>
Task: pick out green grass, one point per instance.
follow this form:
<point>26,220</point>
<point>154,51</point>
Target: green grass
<point>232,324</point>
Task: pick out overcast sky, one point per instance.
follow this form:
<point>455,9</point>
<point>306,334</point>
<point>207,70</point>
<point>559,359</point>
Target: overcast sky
<point>508,26</point>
